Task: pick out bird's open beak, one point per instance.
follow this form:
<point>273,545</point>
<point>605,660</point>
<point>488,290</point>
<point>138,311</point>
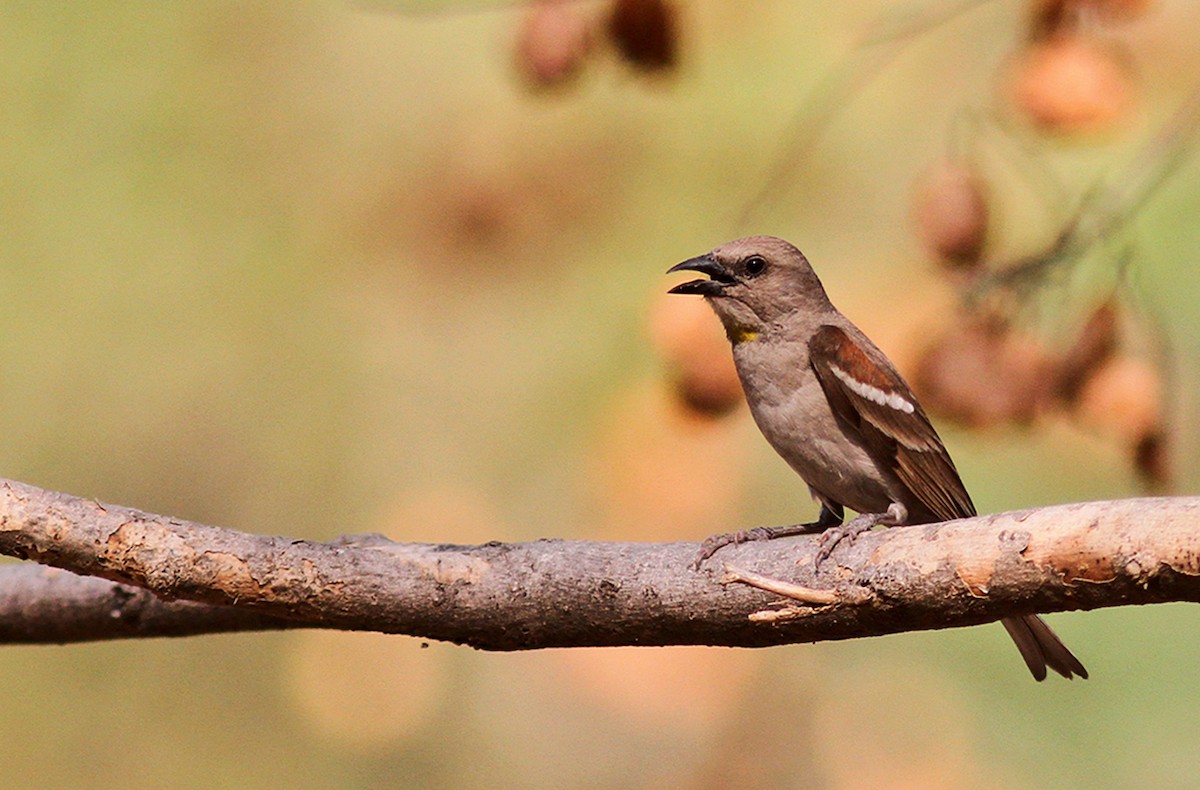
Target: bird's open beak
<point>705,264</point>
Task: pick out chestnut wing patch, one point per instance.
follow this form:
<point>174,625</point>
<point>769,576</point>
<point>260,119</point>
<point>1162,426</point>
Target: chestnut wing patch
<point>868,394</point>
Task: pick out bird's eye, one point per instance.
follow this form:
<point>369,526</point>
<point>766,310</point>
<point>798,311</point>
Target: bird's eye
<point>755,265</point>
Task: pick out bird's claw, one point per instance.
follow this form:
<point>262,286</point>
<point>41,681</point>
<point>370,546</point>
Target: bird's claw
<point>715,543</point>
<point>833,537</point>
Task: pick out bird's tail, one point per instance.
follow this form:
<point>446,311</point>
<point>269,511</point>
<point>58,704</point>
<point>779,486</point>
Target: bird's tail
<point>1041,647</point>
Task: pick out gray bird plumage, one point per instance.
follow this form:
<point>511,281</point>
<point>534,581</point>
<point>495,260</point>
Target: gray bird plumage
<point>837,411</point>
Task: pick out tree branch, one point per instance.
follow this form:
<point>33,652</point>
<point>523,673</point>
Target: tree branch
<point>553,593</point>
<point>40,605</point>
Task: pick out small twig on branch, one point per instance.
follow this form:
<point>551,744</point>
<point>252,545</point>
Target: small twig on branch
<point>552,593</point>
<point>796,592</point>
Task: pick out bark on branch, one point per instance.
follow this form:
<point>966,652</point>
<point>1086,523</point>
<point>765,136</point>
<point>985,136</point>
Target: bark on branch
<point>555,593</point>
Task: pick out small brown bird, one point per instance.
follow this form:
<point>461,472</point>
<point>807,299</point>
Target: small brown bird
<point>834,407</point>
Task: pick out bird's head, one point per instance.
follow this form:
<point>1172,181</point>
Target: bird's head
<point>755,283</point>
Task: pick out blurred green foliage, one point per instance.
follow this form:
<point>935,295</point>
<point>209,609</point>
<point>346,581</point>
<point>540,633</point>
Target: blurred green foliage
<point>290,267</point>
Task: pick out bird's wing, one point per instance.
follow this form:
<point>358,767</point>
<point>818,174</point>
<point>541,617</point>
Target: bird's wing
<point>868,395</point>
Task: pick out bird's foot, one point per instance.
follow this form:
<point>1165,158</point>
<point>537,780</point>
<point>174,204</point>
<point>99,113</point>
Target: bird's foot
<point>715,543</point>
<point>829,517</point>
<point>831,538</point>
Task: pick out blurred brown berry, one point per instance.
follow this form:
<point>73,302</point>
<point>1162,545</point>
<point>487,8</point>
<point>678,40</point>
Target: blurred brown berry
<point>553,42</point>
<point>646,32</point>
<point>951,213</point>
<point>709,391</point>
<point>1094,345</point>
<point>1069,84</point>
<point>1052,18</point>
<point>983,374</point>
<point>693,344</point>
<point>1123,397</point>
<point>1150,460</point>
<point>1057,17</point>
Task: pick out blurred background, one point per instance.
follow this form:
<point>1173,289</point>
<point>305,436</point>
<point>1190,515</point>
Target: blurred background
<point>317,268</point>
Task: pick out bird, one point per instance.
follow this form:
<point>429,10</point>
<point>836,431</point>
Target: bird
<point>835,408</point>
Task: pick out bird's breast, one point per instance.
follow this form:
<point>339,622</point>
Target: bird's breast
<point>794,415</point>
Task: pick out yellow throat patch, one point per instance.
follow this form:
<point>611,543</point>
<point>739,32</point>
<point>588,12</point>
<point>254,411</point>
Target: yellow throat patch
<point>740,334</point>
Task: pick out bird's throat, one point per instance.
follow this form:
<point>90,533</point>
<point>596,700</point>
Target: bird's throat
<point>740,333</point>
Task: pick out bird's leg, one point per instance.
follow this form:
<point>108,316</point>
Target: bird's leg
<point>830,517</point>
<point>895,515</point>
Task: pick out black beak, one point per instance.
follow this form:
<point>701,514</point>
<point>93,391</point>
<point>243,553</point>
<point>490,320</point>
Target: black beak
<point>705,264</point>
